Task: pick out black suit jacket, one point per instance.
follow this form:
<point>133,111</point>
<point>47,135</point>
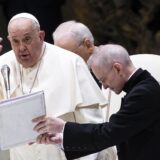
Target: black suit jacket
<point>134,129</point>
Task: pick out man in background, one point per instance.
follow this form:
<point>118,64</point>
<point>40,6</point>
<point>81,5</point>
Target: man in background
<point>75,37</point>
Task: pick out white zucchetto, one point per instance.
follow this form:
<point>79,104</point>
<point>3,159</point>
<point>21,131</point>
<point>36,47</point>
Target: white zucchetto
<point>24,15</point>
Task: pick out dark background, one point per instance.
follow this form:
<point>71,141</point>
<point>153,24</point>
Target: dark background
<point>135,24</point>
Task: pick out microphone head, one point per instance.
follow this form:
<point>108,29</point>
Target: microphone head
<point>5,70</point>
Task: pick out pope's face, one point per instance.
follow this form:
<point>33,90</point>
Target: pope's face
<point>26,41</point>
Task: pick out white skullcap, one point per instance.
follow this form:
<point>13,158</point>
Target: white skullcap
<point>24,15</point>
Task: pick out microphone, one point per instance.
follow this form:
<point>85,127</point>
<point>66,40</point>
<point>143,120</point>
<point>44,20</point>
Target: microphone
<point>5,70</point>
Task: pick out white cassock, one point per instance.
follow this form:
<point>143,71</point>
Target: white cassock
<point>70,93</point>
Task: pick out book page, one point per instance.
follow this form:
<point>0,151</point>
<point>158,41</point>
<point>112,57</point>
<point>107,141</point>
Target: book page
<point>16,116</point>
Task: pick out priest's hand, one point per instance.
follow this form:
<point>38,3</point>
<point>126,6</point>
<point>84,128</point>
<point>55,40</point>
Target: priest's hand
<point>50,138</point>
<point>48,125</point>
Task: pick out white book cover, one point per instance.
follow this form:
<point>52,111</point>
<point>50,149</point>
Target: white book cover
<point>16,114</point>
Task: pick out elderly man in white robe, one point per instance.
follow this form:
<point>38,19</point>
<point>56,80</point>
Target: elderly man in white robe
<point>70,91</point>
<point>77,37</point>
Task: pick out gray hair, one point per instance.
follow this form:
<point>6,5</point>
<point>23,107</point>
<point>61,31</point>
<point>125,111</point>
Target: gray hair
<point>75,29</point>
<point>106,55</point>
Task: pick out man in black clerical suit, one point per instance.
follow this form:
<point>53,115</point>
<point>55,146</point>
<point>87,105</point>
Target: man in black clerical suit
<point>134,129</point>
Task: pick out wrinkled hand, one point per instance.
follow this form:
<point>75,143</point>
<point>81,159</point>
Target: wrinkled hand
<point>48,125</point>
<point>0,44</point>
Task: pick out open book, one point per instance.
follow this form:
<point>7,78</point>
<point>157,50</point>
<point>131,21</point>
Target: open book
<point>16,116</point>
